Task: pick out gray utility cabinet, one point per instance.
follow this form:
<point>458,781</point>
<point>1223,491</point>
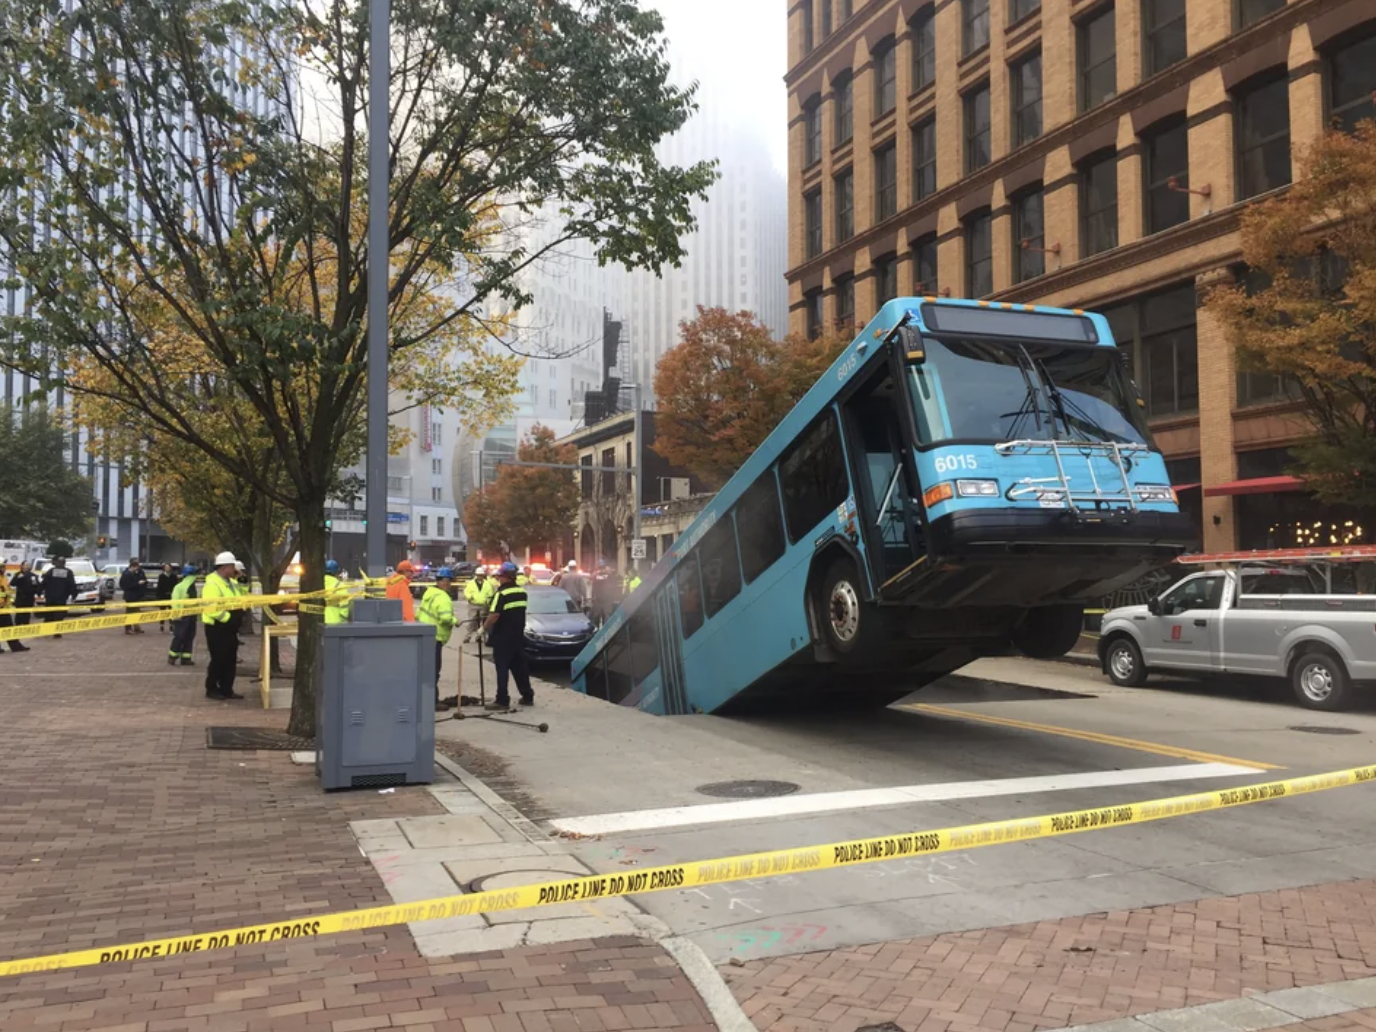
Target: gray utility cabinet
<point>375,704</point>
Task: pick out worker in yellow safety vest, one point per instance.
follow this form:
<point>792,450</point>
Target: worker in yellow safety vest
<point>437,609</point>
<point>337,600</point>
<point>221,632</point>
<point>478,594</point>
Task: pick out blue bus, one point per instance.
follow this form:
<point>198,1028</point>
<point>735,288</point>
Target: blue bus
<point>961,482</point>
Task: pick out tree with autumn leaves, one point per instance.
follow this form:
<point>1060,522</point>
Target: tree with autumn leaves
<point>526,506</point>
<point>190,172</point>
<point>727,385</point>
<point>1306,311</point>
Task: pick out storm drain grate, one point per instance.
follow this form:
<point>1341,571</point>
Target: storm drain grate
<point>1324,729</point>
<point>256,738</point>
<point>748,789</point>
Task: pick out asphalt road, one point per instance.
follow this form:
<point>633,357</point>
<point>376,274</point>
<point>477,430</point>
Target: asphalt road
<point>1009,738</point>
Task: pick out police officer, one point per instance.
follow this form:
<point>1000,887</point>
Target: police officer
<point>183,627</point>
<point>6,602</point>
<point>134,583</point>
<point>337,600</point>
<point>506,629</point>
<point>221,635</point>
<point>437,609</point>
<point>59,588</point>
<point>24,584</point>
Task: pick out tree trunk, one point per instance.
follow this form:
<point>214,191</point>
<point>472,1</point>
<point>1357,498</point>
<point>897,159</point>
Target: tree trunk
<point>310,514</point>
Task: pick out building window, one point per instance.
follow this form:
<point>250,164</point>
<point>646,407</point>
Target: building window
<point>977,128</point>
<point>439,526</point>
<point>843,96</point>
<point>826,18</point>
<point>845,205</point>
<point>608,472</point>
<point>436,432</point>
<point>1264,388</point>
<point>885,279</point>
<point>845,302</point>
<point>924,267</point>
<point>437,494</point>
<point>885,78</point>
<point>1029,235</point>
<point>885,183</point>
<point>979,255</point>
<point>923,32</point>
<point>812,131</point>
<point>1158,335</point>
<point>1099,203</point>
<point>924,159</point>
<point>1098,58</point>
<point>1263,136</point>
<point>1352,83</point>
<point>813,306</point>
<point>553,398</point>
<point>425,526</point>
<point>1251,11</point>
<point>437,466</point>
<point>809,39</point>
<point>1026,80</point>
<point>1167,155</point>
<point>1020,9</point>
<point>975,25</point>
<point>1163,33</point>
<point>585,476</point>
<point>812,216</point>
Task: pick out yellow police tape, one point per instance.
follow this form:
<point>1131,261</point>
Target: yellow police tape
<point>701,872</point>
<point>191,607</point>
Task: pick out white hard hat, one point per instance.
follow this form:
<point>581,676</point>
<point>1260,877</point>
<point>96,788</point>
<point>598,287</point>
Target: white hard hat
<point>226,559</point>
<point>482,570</point>
<point>573,564</point>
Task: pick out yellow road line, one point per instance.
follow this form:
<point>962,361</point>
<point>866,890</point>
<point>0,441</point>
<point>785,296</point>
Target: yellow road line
<point>1088,736</point>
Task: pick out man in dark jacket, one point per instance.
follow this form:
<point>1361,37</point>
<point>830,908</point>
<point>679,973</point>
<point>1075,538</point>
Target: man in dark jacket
<point>25,586</point>
<point>167,580</point>
<point>59,588</point>
<point>134,583</point>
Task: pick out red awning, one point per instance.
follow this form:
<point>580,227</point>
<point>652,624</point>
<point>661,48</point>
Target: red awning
<point>1260,485</point>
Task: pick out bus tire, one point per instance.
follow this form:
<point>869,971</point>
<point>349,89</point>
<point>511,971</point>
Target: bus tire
<point>1320,680</point>
<point>1048,632</point>
<point>850,626</point>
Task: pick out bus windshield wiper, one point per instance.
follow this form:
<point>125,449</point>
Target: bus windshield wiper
<point>1031,401</point>
<point>1065,407</point>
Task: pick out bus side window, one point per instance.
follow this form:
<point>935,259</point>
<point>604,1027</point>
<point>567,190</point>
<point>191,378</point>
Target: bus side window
<point>618,658</point>
<point>721,569</point>
<point>644,643</point>
<point>760,526</point>
<point>813,476</point>
<point>689,595</point>
<point>595,676</point>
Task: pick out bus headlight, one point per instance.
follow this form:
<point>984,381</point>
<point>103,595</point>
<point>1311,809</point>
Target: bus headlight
<point>977,488</point>
<point>1155,493</point>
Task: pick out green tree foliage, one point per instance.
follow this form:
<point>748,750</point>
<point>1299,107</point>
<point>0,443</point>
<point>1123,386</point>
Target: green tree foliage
<point>60,549</point>
<point>1308,309</point>
<point>43,496</point>
<point>726,386</point>
<point>150,201</point>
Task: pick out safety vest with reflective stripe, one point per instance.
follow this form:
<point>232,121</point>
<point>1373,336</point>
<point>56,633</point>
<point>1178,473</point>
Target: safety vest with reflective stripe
<point>474,593</point>
<point>437,609</point>
<point>217,587</point>
<point>337,601</point>
<point>183,591</point>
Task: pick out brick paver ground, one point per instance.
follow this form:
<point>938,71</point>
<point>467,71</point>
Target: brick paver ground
<point>1078,970</point>
<point>117,824</point>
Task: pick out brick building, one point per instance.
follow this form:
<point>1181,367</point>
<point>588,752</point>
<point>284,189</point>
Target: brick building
<point>1083,153</point>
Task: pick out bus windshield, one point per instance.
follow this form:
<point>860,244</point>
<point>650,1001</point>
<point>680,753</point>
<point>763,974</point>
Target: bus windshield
<point>981,390</point>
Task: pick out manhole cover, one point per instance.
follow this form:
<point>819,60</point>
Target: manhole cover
<point>255,738</point>
<point>748,789</point>
<point>1322,729</point>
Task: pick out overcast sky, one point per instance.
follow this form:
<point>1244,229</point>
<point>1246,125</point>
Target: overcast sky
<point>737,49</point>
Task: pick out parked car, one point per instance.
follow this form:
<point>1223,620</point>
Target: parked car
<point>109,581</point>
<point>1271,622</point>
<point>556,629</point>
<point>88,581</point>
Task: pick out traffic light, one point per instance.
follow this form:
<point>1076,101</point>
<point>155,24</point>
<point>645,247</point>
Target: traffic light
<point>329,524</point>
<point>411,545</point>
<point>100,541</point>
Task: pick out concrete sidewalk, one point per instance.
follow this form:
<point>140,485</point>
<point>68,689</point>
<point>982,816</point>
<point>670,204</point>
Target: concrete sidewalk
<point>120,825</point>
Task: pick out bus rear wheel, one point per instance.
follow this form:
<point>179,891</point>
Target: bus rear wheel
<point>1048,632</point>
<point>850,626</point>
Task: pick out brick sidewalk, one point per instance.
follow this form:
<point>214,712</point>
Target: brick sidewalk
<point>1078,970</point>
<point>119,825</point>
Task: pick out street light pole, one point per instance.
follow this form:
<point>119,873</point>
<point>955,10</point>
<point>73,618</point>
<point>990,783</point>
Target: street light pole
<point>379,136</point>
<point>639,476</point>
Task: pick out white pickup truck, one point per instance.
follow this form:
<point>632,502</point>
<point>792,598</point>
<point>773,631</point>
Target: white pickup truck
<point>1276,621</point>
